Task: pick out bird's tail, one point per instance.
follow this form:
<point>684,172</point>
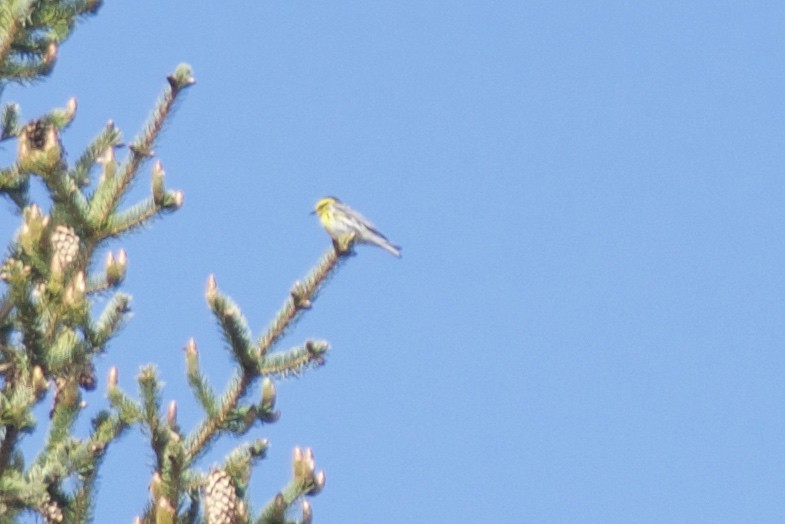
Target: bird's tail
<point>380,240</point>
<point>392,248</point>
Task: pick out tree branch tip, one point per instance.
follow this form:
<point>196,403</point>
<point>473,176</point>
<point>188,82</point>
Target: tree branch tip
<point>177,200</point>
<point>71,106</point>
<point>299,298</point>
<point>317,347</point>
<point>268,390</point>
<point>181,78</point>
<point>302,460</point>
<point>306,511</point>
<point>112,379</point>
<point>51,53</point>
<point>171,414</point>
<point>191,347</point>
<point>212,288</point>
<point>319,480</point>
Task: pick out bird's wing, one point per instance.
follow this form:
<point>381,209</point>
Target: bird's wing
<point>352,212</point>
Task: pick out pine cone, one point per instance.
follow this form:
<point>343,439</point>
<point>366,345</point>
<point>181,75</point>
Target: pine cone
<point>66,247</point>
<point>221,503</point>
<point>35,133</point>
<point>39,141</point>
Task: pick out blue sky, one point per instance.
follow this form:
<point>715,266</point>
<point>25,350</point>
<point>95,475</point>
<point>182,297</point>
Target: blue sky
<point>586,324</point>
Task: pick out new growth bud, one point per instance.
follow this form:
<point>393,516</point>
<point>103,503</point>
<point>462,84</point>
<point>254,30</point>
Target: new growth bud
<point>304,467</point>
<point>211,293</point>
<point>107,160</point>
<point>70,107</point>
<point>181,78</point>
<point>319,481</point>
<point>268,395</point>
<point>303,463</point>
<point>159,192</point>
<point>299,296</point>
<point>51,53</point>
<point>191,357</point>
<point>111,380</point>
<point>74,294</point>
<point>116,267</point>
<point>61,118</point>
<point>171,414</point>
<point>175,200</point>
<point>307,517</point>
<point>32,230</point>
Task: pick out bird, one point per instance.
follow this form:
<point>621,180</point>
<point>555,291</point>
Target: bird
<point>346,226</point>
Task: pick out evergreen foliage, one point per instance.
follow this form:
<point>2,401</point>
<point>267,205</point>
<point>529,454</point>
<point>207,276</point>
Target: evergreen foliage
<point>49,335</point>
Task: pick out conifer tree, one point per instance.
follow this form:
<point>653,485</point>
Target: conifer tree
<point>50,337</point>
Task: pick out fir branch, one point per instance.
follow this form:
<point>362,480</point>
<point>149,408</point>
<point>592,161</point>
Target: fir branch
<point>40,152</point>
<point>27,316</point>
<point>305,481</point>
<point>173,469</point>
<point>62,117</point>
<point>109,138</point>
<point>208,429</point>
<point>109,322</point>
<point>68,198</point>
<point>30,31</point>
<point>11,16</point>
<point>132,218</point>
<point>15,185</point>
<point>295,360</point>
<point>21,492</point>
<point>64,350</point>
<point>301,297</point>
<point>25,67</point>
<point>275,511</point>
<point>142,146</point>
<point>202,390</point>
<point>140,214</point>
<point>150,390</point>
<point>235,330</point>
<point>67,404</point>
<point>16,401</point>
<point>128,411</point>
<point>233,325</point>
<point>107,429</point>
<point>9,121</point>
<point>239,462</point>
<point>82,505</point>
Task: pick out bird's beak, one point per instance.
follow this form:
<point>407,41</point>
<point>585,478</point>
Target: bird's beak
<point>312,212</point>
